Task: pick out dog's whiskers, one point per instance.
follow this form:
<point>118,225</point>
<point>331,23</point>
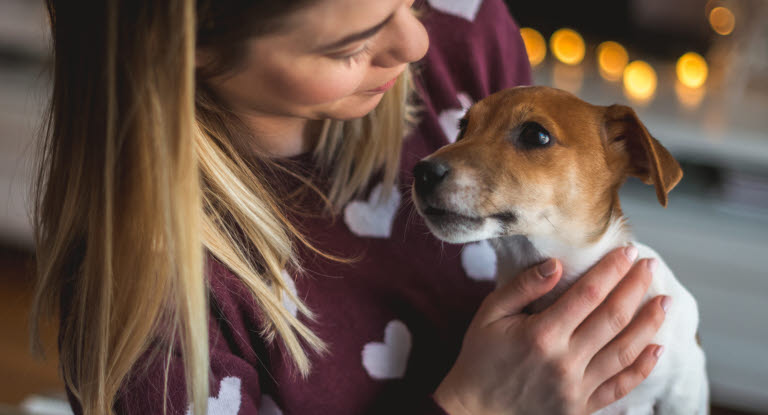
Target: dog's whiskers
<point>550,222</point>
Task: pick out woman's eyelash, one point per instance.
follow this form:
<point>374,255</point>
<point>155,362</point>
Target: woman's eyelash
<point>353,57</point>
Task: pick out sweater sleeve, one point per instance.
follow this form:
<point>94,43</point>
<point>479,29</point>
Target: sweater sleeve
<point>234,387</point>
<point>236,356</point>
<point>234,381</point>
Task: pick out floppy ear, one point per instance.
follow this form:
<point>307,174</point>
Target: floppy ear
<point>645,157</point>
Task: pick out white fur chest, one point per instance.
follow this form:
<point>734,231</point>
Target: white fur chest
<point>678,384</point>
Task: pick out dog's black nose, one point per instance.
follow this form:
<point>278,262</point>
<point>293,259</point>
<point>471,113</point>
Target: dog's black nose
<point>428,174</point>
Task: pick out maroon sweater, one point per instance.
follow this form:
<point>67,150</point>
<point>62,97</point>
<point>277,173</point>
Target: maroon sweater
<point>395,319</point>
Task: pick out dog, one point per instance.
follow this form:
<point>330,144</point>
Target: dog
<point>537,171</point>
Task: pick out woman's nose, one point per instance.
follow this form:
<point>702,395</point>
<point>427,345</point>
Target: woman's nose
<point>407,41</point>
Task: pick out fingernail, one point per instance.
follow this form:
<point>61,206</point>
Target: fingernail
<point>659,350</point>
<point>631,253</point>
<point>548,268</point>
<point>652,264</point>
<point>666,302</point>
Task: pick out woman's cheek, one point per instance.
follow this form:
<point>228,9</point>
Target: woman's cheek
<point>317,83</point>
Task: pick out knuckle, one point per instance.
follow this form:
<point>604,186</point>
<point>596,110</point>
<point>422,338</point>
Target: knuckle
<point>622,388</point>
<point>524,286</point>
<point>591,293</point>
<point>619,319</point>
<point>541,341</point>
<point>627,355</point>
<point>645,369</point>
<point>562,369</point>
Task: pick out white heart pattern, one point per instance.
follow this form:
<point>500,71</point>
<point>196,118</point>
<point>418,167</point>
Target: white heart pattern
<point>287,302</point>
<point>268,406</point>
<point>388,360</point>
<point>479,261</point>
<point>373,218</point>
<point>228,402</point>
<point>449,119</point>
<point>462,8</point>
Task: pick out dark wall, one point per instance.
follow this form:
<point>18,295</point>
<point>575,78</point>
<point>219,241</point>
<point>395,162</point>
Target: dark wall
<point>620,20</point>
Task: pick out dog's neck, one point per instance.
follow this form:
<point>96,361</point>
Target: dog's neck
<point>517,253</point>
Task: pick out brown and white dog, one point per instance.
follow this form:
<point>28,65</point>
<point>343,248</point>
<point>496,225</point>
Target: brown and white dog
<point>537,171</point>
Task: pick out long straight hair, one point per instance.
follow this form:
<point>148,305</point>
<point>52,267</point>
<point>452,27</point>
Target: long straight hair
<point>141,179</point>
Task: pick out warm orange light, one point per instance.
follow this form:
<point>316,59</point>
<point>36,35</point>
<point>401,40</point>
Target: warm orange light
<point>567,46</point>
<point>568,77</point>
<point>612,58</point>
<point>640,81</point>
<point>722,20</point>
<point>535,45</point>
<point>692,70</point>
<point>689,98</point>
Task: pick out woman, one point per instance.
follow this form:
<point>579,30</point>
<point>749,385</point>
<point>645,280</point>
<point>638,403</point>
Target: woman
<point>271,134</point>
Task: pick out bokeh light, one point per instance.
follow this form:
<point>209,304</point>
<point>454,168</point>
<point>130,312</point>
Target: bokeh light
<point>568,77</point>
<point>692,70</point>
<point>722,20</point>
<point>612,58</point>
<point>689,98</point>
<point>535,45</point>
<point>567,46</point>
<point>640,81</point>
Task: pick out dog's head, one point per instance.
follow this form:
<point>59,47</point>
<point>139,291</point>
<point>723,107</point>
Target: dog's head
<point>537,161</point>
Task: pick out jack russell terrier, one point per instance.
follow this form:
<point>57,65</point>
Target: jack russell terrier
<point>537,171</point>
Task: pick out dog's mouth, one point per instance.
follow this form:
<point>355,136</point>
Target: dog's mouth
<point>435,214</point>
<point>461,227</point>
<point>443,216</point>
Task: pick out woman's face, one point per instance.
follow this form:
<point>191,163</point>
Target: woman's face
<point>334,59</point>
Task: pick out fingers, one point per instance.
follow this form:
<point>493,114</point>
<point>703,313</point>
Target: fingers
<point>620,385</point>
<point>520,291</point>
<point>579,301</point>
<point>624,349</point>
<point>610,318</point>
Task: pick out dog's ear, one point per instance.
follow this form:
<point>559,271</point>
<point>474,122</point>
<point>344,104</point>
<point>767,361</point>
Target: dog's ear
<point>640,154</point>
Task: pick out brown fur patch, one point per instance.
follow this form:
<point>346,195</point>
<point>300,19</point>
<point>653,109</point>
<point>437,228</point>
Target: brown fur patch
<point>575,180</point>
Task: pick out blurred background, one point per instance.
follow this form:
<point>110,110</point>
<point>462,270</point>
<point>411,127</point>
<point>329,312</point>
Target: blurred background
<point>695,70</point>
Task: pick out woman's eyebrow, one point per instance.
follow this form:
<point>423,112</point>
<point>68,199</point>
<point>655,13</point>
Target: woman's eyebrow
<point>357,36</point>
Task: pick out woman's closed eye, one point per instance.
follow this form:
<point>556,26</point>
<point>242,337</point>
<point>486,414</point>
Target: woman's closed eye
<point>354,56</point>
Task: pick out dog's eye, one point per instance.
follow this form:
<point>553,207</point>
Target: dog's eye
<point>533,135</point>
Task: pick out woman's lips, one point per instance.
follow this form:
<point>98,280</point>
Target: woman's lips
<point>384,87</point>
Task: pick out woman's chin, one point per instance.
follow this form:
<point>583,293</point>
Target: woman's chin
<point>355,107</point>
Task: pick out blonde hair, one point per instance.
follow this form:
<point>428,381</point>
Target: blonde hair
<point>140,175</point>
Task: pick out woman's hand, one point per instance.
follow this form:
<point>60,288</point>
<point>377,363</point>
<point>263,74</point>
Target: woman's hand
<point>582,353</point>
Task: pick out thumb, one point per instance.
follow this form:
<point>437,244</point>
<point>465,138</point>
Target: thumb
<point>522,290</point>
